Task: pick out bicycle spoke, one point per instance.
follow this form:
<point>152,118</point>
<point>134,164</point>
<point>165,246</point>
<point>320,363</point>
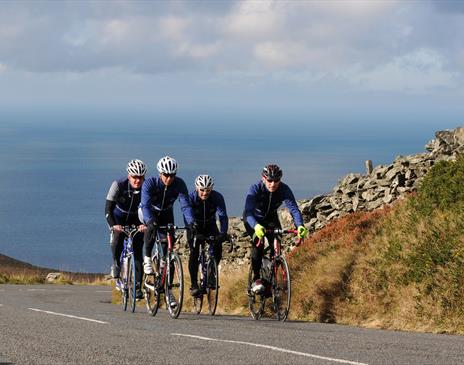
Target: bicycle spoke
<point>212,282</point>
<point>281,289</point>
<point>174,286</point>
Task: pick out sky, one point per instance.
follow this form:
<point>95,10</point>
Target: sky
<point>379,61</point>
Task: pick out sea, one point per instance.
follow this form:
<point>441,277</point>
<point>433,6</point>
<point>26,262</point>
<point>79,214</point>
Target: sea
<point>56,170</point>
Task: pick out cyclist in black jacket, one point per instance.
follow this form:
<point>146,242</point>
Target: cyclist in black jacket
<point>206,203</point>
<point>121,207</point>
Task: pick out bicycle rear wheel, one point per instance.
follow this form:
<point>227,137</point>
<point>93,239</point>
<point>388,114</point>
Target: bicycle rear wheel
<point>212,285</point>
<point>131,283</point>
<point>152,292</point>
<point>174,285</point>
<point>281,289</point>
<point>255,301</point>
<point>198,299</point>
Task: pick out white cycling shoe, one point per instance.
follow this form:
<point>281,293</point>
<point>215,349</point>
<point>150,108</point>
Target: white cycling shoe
<point>147,265</point>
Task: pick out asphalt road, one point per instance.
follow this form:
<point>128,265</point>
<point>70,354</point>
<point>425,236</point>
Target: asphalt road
<point>50,324</point>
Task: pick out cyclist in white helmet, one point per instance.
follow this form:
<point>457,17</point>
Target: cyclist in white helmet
<point>206,204</point>
<point>121,207</point>
<point>158,196</point>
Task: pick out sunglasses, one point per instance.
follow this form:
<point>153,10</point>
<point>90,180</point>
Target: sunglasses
<point>206,190</point>
<point>169,175</point>
<point>273,180</point>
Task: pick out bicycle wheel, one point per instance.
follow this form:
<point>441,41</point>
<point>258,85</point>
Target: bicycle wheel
<point>198,299</point>
<point>131,282</point>
<point>152,292</point>
<point>123,283</point>
<point>281,289</point>
<point>174,285</point>
<point>255,301</point>
<point>212,282</point>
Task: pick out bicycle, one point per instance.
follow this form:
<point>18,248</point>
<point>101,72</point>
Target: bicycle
<point>275,275</point>
<point>169,278</point>
<point>126,283</point>
<point>209,274</point>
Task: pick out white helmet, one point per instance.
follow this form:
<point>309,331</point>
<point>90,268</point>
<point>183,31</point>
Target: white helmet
<point>167,165</point>
<point>136,168</point>
<point>204,182</point>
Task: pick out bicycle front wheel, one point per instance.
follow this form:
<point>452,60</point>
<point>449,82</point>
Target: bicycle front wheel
<point>255,301</point>
<point>281,289</point>
<point>212,285</point>
<point>131,283</point>
<point>123,283</point>
<point>174,285</point>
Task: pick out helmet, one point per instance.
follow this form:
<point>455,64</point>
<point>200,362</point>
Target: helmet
<point>272,172</point>
<point>204,182</point>
<point>167,165</point>
<point>136,168</point>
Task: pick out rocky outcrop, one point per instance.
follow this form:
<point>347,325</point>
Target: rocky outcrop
<point>384,184</point>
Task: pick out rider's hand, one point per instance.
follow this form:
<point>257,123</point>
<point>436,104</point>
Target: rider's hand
<point>260,231</point>
<point>142,228</point>
<point>193,227</point>
<point>117,228</point>
<point>302,232</point>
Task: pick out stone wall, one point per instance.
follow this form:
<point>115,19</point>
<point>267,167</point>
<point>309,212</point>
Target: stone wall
<point>358,192</point>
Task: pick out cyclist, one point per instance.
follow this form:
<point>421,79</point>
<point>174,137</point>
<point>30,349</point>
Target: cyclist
<point>121,207</point>
<point>206,203</point>
<point>262,201</point>
<point>158,197</point>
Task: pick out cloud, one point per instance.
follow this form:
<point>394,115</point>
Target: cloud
<point>357,41</point>
<point>420,71</point>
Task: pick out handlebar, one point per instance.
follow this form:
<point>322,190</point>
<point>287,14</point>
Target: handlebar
<point>172,227</point>
<point>229,239</point>
<point>280,232</point>
<point>129,231</point>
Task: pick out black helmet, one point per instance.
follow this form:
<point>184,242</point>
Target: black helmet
<point>272,172</point>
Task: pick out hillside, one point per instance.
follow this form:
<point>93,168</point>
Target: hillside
<point>18,272</point>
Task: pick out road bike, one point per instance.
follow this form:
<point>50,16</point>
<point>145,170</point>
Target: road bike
<point>126,283</point>
<point>275,275</point>
<point>168,278</point>
<point>208,273</point>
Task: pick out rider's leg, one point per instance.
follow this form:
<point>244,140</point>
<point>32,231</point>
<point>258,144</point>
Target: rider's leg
<point>117,244</point>
<point>193,262</point>
<point>138,254</point>
<point>148,243</point>
<point>256,252</point>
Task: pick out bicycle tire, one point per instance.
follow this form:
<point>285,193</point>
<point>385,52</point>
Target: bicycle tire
<point>131,283</point>
<point>281,289</point>
<point>212,285</point>
<point>256,302</point>
<point>174,284</point>
<point>123,282</point>
<point>152,292</point>
<point>198,299</point>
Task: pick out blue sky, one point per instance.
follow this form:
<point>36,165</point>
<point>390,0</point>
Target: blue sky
<point>390,60</point>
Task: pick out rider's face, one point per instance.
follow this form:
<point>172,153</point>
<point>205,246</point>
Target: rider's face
<point>204,193</point>
<point>167,179</point>
<point>136,181</point>
<point>271,185</point>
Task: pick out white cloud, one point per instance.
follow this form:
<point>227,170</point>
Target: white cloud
<point>254,19</point>
<point>419,71</point>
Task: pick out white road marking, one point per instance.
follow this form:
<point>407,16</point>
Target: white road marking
<point>52,290</point>
<point>273,348</point>
<point>67,315</point>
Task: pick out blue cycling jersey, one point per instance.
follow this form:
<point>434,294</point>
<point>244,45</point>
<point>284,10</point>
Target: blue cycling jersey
<point>125,200</point>
<point>261,203</point>
<point>158,198</point>
<point>205,210</point>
